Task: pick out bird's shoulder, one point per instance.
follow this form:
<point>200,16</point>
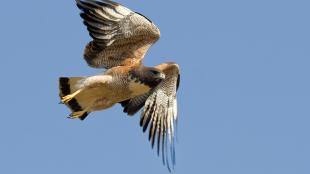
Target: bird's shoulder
<point>122,70</point>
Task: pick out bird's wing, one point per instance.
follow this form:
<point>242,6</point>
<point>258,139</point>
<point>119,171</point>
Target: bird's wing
<point>133,105</point>
<point>120,36</point>
<point>160,112</point>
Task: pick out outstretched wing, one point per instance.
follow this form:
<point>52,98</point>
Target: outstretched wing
<point>160,112</point>
<point>120,36</point>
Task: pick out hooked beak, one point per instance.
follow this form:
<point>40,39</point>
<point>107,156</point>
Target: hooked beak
<point>162,76</point>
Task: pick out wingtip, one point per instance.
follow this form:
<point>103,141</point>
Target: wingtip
<point>78,2</point>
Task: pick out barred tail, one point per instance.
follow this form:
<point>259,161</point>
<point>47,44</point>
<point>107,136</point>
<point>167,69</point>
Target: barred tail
<point>67,85</point>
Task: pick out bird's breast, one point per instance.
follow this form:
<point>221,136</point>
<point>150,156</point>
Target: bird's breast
<point>136,87</point>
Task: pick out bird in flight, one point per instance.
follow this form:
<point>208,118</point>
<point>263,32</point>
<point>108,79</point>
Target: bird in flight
<point>120,39</point>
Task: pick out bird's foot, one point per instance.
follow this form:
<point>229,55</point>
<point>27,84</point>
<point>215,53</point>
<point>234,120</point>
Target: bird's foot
<point>69,97</point>
<point>77,114</point>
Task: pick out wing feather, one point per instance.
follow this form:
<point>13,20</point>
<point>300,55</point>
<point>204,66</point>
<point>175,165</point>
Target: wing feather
<point>132,106</point>
<point>160,112</point>
<point>120,36</point>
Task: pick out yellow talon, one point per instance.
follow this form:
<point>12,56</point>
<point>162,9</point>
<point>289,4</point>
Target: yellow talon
<point>69,97</point>
<point>77,114</point>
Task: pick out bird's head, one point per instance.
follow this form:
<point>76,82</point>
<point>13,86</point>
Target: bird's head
<point>149,76</point>
<point>155,74</point>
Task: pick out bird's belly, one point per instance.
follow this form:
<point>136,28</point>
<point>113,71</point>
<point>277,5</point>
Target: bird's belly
<point>102,103</point>
<point>104,98</point>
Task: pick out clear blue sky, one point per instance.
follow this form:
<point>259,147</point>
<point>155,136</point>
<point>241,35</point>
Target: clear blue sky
<point>244,99</point>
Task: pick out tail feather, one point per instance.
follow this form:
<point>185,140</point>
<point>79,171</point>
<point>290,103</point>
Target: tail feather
<point>67,86</point>
<point>64,86</point>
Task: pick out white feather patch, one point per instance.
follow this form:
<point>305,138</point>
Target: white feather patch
<point>93,80</point>
<point>175,109</point>
<point>105,16</point>
<point>113,13</point>
<point>123,10</point>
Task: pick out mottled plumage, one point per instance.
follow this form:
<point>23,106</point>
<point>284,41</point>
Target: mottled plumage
<point>121,38</point>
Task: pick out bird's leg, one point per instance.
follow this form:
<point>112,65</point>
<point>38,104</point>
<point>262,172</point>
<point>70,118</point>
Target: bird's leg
<point>69,97</point>
<point>78,114</point>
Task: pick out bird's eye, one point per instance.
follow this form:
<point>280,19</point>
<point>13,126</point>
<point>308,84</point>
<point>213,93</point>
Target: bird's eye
<point>154,72</point>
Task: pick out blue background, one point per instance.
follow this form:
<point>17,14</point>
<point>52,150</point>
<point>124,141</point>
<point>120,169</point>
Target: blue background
<point>243,101</point>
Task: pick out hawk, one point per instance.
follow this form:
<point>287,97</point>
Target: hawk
<point>120,39</point>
